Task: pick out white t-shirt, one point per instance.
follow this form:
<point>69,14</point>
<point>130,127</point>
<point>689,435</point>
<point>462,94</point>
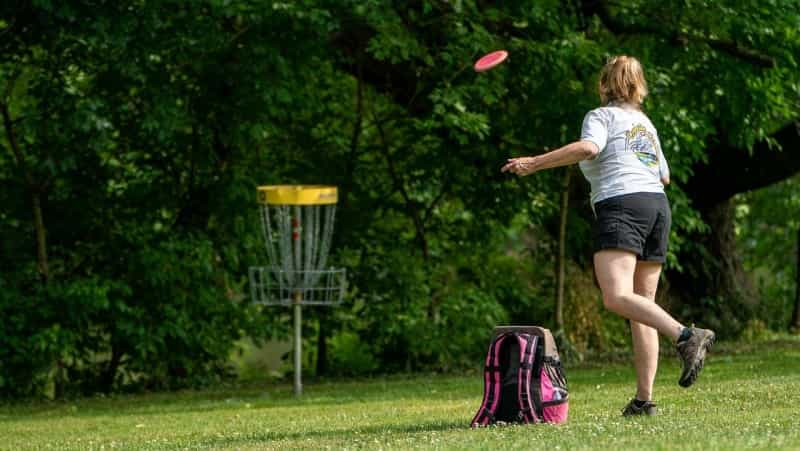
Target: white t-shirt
<point>630,158</point>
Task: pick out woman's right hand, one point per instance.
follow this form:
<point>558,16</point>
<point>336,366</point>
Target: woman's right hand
<point>520,166</point>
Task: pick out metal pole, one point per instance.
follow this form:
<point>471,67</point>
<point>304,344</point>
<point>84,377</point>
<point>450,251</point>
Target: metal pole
<point>298,346</point>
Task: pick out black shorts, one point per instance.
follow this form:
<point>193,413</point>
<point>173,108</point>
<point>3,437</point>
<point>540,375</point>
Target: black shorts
<point>637,222</point>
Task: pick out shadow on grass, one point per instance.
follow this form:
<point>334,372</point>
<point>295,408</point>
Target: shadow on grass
<point>270,436</point>
<point>210,402</point>
<point>743,355</point>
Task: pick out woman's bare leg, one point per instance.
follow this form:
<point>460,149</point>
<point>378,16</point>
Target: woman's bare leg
<point>615,272</point>
<point>645,338</point>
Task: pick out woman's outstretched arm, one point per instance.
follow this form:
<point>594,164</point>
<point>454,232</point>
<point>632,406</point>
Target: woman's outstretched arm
<point>569,154</point>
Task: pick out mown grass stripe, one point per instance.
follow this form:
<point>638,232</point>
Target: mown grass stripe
<point>742,401</point>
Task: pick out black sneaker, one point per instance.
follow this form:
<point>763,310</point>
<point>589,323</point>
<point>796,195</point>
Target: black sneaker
<point>692,352</point>
<point>648,408</point>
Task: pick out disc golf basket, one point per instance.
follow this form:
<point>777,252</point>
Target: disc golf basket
<point>297,224</point>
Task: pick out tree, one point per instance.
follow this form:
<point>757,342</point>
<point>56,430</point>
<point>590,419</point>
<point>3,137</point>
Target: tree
<point>713,67</point>
<point>766,225</point>
<point>134,136</point>
<point>794,324</point>
<point>136,132</point>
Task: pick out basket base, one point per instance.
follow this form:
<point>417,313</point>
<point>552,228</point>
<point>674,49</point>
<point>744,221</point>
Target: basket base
<point>271,285</point>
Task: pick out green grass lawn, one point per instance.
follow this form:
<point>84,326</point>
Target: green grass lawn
<point>742,401</point>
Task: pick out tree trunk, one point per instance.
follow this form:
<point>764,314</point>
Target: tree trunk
<point>35,191</point>
<point>561,256</point>
<point>412,208</point>
<point>713,284</point>
<point>110,373</point>
<point>344,207</point>
<point>41,238</point>
<point>350,164</point>
<point>322,344</point>
<point>795,323</point>
<point>730,276</point>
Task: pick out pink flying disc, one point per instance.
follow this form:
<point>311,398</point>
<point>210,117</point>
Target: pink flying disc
<point>490,60</point>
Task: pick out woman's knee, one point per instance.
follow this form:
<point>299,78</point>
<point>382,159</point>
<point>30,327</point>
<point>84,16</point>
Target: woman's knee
<point>613,301</point>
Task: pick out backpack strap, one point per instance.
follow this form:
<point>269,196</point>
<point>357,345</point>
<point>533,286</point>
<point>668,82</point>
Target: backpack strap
<point>527,346</point>
<point>536,380</point>
<point>491,384</point>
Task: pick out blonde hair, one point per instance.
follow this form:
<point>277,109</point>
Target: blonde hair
<point>622,80</point>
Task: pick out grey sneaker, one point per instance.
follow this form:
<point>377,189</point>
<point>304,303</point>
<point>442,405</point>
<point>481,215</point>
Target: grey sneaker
<point>692,352</point>
<point>649,409</point>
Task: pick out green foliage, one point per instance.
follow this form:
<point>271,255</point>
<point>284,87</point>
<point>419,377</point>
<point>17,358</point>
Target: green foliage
<point>169,322</point>
<point>51,331</point>
<point>767,225</point>
<point>129,133</point>
<point>350,355</point>
<point>413,318</point>
<point>180,321</point>
<point>142,130</point>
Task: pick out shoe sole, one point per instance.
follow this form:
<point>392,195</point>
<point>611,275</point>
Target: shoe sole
<point>691,374</point>
<point>642,413</point>
<point>648,410</point>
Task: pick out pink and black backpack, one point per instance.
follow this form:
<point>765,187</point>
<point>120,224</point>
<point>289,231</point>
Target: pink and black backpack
<point>523,379</point>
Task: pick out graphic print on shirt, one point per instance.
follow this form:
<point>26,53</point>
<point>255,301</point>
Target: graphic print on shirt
<point>641,142</point>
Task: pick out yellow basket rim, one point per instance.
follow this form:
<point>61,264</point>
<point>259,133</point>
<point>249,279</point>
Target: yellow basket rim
<point>297,194</point>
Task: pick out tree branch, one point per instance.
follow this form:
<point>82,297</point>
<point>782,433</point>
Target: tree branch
<point>350,164</point>
<point>411,206</point>
<point>8,125</point>
<point>426,216</point>
<point>731,47</point>
<point>794,325</point>
<point>35,192</point>
<point>731,170</point>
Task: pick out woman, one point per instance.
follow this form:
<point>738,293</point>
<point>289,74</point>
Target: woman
<point>620,155</point>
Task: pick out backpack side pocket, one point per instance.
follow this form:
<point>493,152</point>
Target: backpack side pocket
<point>554,392</point>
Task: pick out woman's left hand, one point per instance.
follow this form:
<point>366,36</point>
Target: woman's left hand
<point>520,166</point>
